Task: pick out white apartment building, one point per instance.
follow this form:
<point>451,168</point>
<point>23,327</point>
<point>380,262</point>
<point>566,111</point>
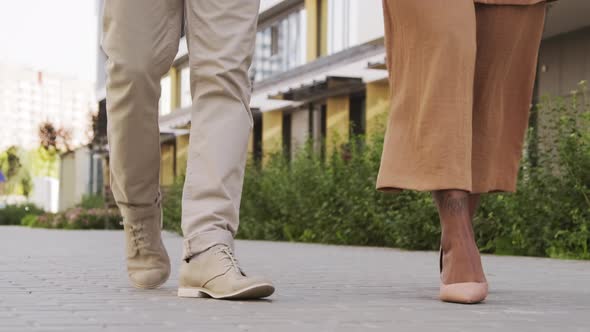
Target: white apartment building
<point>29,97</point>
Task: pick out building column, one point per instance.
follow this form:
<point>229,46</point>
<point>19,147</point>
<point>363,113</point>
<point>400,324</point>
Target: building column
<point>337,122</point>
<point>377,107</point>
<point>167,169</point>
<point>272,133</point>
<point>251,144</point>
<point>299,130</point>
<point>181,153</point>
<point>317,28</point>
<point>174,89</point>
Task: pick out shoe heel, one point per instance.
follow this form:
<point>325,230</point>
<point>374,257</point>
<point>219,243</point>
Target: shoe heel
<point>191,292</point>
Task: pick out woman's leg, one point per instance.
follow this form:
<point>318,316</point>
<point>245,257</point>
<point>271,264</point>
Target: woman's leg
<point>473,205</point>
<point>461,258</point>
<point>508,39</point>
<point>431,54</point>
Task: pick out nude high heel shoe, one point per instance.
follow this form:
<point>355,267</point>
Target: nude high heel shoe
<point>462,292</point>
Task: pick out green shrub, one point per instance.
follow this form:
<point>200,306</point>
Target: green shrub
<point>334,201</point>
<point>92,202</point>
<point>171,205</point>
<point>15,166</point>
<point>550,215</point>
<point>13,214</point>
<point>310,199</point>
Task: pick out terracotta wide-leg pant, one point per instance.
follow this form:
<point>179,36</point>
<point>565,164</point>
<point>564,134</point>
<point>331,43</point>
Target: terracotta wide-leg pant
<point>461,77</point>
<point>141,40</point>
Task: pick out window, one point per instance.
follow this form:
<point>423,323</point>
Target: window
<point>280,46</point>
<point>186,99</point>
<point>287,134</point>
<point>274,40</point>
<point>357,114</point>
<point>166,96</point>
<point>341,24</point>
<point>257,135</point>
<point>345,29</point>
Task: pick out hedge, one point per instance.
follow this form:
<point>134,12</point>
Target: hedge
<point>13,214</point>
<point>76,218</point>
<point>91,213</point>
<point>333,200</point>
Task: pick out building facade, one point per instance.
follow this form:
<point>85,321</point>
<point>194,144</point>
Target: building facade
<point>29,97</point>
<point>319,74</point>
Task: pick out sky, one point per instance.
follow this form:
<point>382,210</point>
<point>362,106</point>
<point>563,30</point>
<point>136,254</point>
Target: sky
<point>54,35</point>
<point>51,35</point>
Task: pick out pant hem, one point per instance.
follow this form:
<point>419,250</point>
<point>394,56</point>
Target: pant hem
<point>133,213</point>
<point>203,241</point>
<point>395,189</point>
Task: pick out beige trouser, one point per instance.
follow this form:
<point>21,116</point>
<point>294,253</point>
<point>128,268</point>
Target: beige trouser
<point>141,40</point>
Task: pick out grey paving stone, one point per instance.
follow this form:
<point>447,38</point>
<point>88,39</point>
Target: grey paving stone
<point>53,280</point>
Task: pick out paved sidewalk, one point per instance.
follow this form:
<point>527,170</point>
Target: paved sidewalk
<point>75,280</point>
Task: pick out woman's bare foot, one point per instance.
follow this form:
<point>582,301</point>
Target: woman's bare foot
<point>461,260</point>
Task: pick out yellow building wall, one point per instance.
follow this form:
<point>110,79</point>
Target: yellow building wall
<point>323,27</point>
<point>377,107</point>
<point>181,153</point>
<point>272,132</point>
<point>251,143</point>
<point>337,122</point>
<point>167,165</point>
<point>317,28</point>
<point>175,87</point>
<point>311,10</point>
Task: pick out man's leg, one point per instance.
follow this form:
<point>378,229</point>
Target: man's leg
<point>221,37</point>
<point>140,39</point>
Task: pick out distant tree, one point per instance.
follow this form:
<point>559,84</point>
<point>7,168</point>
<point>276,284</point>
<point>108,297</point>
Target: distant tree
<point>64,140</point>
<point>10,162</point>
<point>59,139</point>
<point>97,132</point>
<point>18,178</point>
<point>48,135</point>
<point>48,151</point>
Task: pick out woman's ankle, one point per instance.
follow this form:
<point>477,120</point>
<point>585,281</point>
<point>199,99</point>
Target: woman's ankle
<point>461,261</point>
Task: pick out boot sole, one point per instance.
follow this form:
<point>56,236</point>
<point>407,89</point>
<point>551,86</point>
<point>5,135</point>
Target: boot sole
<point>253,292</point>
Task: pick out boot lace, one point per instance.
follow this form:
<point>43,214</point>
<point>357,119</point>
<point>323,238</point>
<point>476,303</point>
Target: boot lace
<point>230,260</point>
<point>138,236</point>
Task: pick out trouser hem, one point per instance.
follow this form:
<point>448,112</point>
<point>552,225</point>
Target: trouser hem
<point>203,241</point>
